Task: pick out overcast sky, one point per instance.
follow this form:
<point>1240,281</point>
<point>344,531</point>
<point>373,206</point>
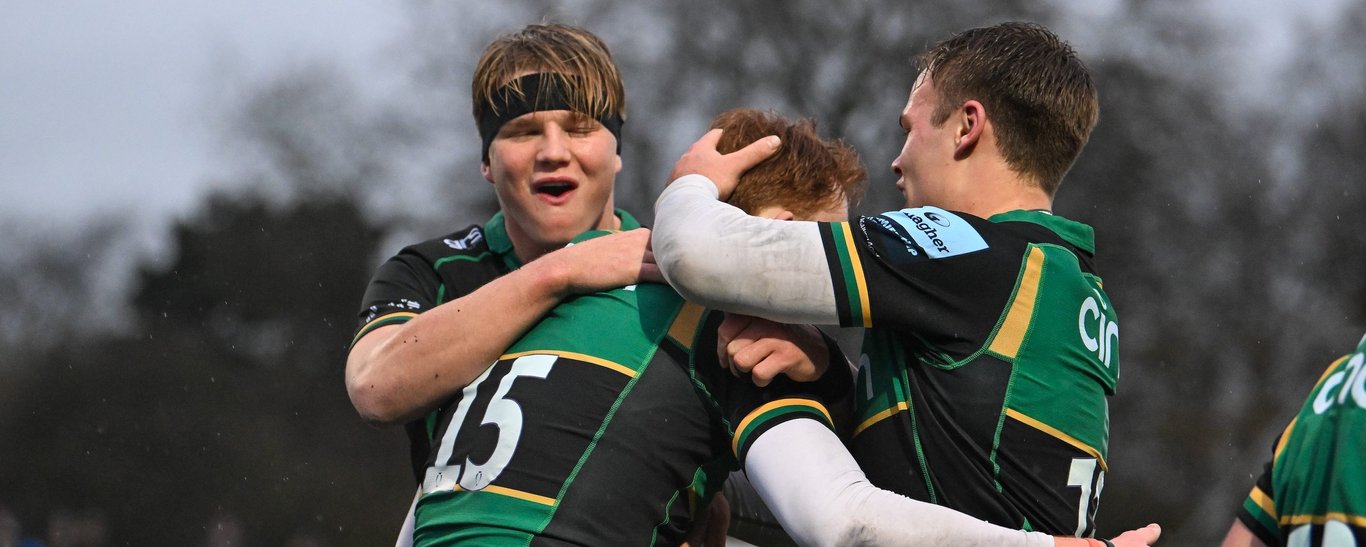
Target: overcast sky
<point>104,106</point>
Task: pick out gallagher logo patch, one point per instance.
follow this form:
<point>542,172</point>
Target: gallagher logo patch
<point>939,233</point>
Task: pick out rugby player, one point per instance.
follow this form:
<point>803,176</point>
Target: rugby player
<point>611,420</point>
<point>990,344</point>
<point>1313,490</point>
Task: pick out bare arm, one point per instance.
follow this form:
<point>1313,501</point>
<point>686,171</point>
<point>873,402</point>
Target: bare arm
<point>1240,536</point>
<point>397,373</point>
<point>821,497</point>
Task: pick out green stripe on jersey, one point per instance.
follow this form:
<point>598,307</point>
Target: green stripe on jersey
<point>1065,339</point>
<point>773,413</point>
<point>1322,453</point>
<point>856,295</point>
<point>563,330</point>
<point>503,517</point>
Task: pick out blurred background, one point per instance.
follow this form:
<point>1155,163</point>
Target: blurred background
<point>195,195</point>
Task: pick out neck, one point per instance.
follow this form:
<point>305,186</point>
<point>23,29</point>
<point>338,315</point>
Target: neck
<point>997,189</point>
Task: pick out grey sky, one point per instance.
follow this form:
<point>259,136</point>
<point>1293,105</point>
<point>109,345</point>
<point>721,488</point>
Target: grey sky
<point>104,105</point>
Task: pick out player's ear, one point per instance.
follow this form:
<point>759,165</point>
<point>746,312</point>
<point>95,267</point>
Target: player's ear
<point>785,215</point>
<point>484,169</point>
<point>972,122</point>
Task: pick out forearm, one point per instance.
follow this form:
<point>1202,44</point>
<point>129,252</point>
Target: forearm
<point>720,257</point>
<point>821,497</point>
<point>398,373</point>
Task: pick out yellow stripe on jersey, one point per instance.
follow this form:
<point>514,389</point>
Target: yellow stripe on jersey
<point>1285,436</point>
<point>859,281</point>
<point>1330,368</point>
<point>502,491</point>
<point>1295,520</point>
<point>575,356</point>
<point>900,407</point>
<point>1262,500</point>
<point>380,321</point>
<point>1031,422</point>
<point>1012,331</point>
<point>685,325</point>
<point>739,430</point>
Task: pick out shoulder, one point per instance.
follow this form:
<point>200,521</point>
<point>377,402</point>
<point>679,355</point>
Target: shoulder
<point>468,242</point>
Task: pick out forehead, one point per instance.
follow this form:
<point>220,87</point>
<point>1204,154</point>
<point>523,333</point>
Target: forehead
<point>922,91</point>
<point>550,116</point>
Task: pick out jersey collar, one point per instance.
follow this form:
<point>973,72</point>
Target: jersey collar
<point>1071,231</point>
<point>496,234</point>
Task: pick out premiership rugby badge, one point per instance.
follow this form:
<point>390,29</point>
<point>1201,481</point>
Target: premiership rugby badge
<point>939,233</point>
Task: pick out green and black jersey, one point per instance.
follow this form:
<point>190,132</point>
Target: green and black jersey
<point>989,352</point>
<point>425,275</point>
<point>1313,491</point>
<point>598,427</point>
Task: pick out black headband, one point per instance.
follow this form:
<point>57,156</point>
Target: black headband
<point>539,92</point>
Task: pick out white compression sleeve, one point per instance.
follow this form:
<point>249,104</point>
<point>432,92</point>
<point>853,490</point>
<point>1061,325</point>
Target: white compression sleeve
<point>821,497</point>
<point>717,256</point>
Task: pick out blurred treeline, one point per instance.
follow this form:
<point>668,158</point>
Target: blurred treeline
<point>197,398</point>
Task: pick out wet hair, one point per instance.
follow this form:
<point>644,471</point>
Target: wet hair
<point>1038,94</point>
<point>806,175</point>
<point>575,69</point>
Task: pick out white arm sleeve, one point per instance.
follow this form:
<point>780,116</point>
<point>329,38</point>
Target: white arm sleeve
<point>717,256</point>
<point>821,497</point>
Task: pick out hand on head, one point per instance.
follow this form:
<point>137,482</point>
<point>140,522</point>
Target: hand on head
<point>723,169</point>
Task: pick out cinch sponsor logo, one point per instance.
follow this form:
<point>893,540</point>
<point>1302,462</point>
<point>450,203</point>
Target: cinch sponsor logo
<point>1349,380</point>
<point>1092,316</point>
<point>931,232</point>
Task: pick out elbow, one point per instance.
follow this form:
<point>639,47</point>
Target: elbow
<point>833,529</point>
<point>691,268</point>
<point>372,401</point>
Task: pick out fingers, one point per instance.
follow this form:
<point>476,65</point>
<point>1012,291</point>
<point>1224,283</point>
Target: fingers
<point>1146,535</point>
<point>707,142</point>
<point>723,170</point>
<point>607,262</point>
<point>755,153</point>
<point>650,273</point>
<point>726,335</point>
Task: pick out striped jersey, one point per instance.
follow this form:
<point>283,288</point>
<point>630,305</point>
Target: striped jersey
<point>990,348</point>
<point>433,272</point>
<point>1313,491</point>
<point>601,426</point>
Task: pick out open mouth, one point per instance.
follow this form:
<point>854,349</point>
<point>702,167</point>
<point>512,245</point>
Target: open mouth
<point>555,188</point>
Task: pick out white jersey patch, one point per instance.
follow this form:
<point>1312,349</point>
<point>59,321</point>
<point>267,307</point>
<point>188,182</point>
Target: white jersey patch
<point>940,233</point>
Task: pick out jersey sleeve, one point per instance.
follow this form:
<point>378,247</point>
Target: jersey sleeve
<point>1258,511</point>
<point>403,287</point>
<point>943,275</point>
<point>749,410</point>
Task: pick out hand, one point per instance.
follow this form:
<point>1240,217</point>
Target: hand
<point>605,262</point>
<point>764,349</point>
<point>710,529</point>
<point>723,170</point>
<point>1141,537</point>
